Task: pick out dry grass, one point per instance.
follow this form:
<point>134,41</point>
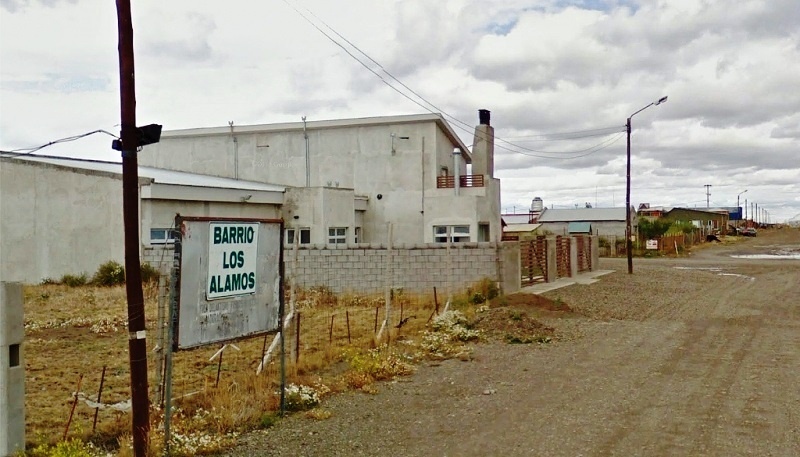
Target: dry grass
<point>74,332</point>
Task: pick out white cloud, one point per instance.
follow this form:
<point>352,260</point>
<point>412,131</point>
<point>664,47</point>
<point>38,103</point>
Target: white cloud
<point>541,66</point>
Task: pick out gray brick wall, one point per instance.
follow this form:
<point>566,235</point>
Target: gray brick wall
<point>414,268</point>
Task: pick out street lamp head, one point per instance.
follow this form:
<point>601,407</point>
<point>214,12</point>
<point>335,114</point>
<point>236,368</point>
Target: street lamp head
<point>661,100</point>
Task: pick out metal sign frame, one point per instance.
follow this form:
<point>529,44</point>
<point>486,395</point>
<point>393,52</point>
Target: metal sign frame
<point>232,297</point>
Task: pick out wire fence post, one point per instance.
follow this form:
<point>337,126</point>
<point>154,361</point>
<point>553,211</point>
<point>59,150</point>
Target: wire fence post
<point>388,293</point>
<point>172,314</point>
<point>72,410</point>
<point>347,317</point>
<point>160,340</point>
<point>99,395</point>
<point>297,340</point>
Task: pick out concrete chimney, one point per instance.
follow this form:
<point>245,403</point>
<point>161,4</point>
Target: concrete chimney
<point>483,146</point>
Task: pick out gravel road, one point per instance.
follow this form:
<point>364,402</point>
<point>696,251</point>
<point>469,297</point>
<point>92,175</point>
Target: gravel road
<point>687,356</point>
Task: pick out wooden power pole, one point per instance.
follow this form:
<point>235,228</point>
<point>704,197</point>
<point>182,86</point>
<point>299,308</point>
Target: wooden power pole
<point>137,344</point>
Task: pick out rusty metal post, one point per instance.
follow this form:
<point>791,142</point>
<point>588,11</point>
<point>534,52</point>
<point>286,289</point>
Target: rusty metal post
<point>137,345</point>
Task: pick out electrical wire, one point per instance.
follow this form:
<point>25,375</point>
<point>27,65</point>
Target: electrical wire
<point>26,151</point>
<point>458,123</point>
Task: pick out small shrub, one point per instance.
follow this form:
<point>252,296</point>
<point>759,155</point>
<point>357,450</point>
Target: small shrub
<point>74,280</point>
<point>269,420</point>
<point>48,281</point>
<point>319,414</point>
<point>375,365</point>
<point>149,273</point>
<point>110,273</point>
<point>70,448</point>
<point>301,398</point>
<point>477,298</point>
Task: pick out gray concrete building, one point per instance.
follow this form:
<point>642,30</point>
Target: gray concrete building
<point>347,179</point>
<point>338,182</point>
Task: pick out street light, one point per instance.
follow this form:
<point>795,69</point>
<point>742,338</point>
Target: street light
<point>739,209</point>
<point>629,245</point>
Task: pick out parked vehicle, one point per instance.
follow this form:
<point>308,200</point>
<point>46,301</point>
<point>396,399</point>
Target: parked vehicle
<point>749,231</point>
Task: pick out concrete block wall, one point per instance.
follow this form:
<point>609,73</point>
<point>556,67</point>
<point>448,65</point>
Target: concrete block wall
<point>159,257</point>
<point>413,268</point>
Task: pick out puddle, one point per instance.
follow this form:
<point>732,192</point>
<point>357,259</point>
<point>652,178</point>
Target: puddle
<point>718,271</point>
<point>737,275</point>
<point>776,253</point>
<point>787,256</point>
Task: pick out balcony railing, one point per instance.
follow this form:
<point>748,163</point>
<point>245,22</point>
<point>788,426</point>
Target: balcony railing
<point>448,182</point>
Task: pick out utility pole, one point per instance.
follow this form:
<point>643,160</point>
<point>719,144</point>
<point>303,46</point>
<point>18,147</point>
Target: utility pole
<point>708,194</point>
<point>137,345</point>
<point>756,215</point>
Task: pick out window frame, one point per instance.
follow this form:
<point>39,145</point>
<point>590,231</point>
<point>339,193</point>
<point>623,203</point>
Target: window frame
<point>166,239</point>
<point>454,233</point>
<point>289,234</point>
<point>337,235</point>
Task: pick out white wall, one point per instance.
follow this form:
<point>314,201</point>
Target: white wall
<point>320,208</point>
<point>57,220</point>
<point>161,213</point>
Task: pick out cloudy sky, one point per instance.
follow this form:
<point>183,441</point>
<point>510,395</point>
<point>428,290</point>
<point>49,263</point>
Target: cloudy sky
<point>560,77</point>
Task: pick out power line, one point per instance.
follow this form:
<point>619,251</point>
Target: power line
<point>565,136</point>
<point>459,123</point>
<point>26,151</point>
<point>591,150</point>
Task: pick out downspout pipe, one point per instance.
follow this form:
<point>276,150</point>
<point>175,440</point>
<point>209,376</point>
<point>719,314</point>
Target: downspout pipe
<point>456,169</point>
<point>308,164</point>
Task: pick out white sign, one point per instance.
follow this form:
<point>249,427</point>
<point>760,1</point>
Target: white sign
<point>652,244</point>
<point>232,253</point>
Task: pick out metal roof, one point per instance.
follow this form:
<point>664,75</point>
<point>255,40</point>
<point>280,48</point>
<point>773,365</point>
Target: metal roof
<point>326,124</point>
<point>513,219</point>
<point>583,215</point>
<point>156,175</point>
<point>579,227</point>
<point>521,227</point>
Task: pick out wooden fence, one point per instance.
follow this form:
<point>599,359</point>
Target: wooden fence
<point>533,261</point>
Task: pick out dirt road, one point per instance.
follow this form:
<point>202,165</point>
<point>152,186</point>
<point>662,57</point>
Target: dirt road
<point>689,356</point>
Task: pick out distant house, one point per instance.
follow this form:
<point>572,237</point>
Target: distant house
<point>651,212</point>
<point>515,232</point>
<point>709,219</point>
<point>598,221</point>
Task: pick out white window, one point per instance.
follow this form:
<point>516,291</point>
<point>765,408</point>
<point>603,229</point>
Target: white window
<point>456,233</point>
<point>358,235</point>
<point>305,235</point>
<point>337,235</point>
<point>161,236</point>
<point>483,232</point>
